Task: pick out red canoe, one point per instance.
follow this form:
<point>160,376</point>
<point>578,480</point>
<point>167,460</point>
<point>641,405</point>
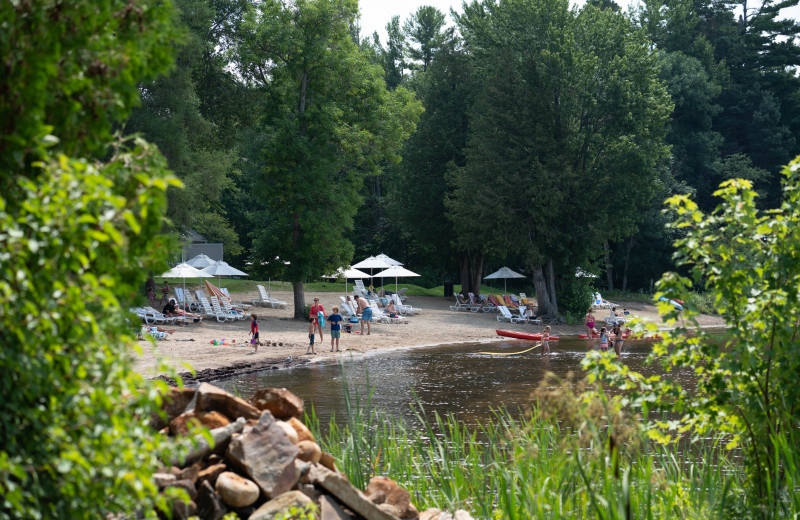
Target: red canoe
<point>533,336</point>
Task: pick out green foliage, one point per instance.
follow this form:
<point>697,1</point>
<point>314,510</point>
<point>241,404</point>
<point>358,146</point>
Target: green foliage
<point>75,441</point>
<point>308,512</point>
<point>424,29</point>
<point>70,69</point>
<point>575,294</point>
<point>747,262</point>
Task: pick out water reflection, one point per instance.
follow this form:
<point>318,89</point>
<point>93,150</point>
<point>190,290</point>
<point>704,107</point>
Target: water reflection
<point>445,379</point>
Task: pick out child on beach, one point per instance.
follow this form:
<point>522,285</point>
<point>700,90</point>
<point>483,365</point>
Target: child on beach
<point>546,340</point>
<point>336,329</point>
<point>603,340</point>
<point>311,327</point>
<point>254,332</point>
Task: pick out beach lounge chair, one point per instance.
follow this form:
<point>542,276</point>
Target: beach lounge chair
<point>600,303</point>
<point>229,309</point>
<point>474,304</point>
<point>505,315</point>
<point>509,302</point>
<point>380,316</point>
<point>208,309</point>
<point>265,300</point>
<point>527,319</point>
<point>163,318</point>
<point>239,306</point>
<point>460,306</point>
<point>402,294</point>
<point>403,308</point>
<point>217,307</point>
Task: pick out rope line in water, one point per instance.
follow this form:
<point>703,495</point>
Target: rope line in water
<point>510,353</point>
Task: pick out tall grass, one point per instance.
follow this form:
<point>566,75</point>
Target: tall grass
<point>530,467</point>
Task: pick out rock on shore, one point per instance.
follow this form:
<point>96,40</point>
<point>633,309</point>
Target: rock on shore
<point>264,462</point>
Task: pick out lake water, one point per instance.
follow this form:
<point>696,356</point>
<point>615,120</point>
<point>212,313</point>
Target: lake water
<point>446,379</point>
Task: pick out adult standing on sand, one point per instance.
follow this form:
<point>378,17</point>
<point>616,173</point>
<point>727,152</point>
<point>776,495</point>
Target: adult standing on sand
<point>164,293</point>
<point>313,316</point>
<point>366,314</point>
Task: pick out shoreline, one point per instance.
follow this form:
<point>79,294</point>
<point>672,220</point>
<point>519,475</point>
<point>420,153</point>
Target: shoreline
<point>285,340</point>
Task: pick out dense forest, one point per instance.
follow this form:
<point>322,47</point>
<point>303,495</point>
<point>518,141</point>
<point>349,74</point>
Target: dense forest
<point>531,134</point>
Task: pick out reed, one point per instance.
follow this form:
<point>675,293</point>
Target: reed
<point>531,467</point>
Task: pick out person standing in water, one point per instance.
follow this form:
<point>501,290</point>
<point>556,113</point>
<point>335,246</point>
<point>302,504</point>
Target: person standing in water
<point>590,324</point>
<point>618,339</point>
<point>546,340</point>
<point>603,340</point>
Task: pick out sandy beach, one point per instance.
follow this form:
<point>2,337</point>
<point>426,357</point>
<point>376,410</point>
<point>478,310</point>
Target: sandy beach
<point>282,336</point>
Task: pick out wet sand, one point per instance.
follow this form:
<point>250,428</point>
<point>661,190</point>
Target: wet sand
<point>285,340</point>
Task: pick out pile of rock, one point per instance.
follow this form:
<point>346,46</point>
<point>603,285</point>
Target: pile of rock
<point>264,461</point>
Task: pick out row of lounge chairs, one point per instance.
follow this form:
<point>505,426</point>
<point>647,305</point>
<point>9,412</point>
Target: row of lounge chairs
<point>490,303</point>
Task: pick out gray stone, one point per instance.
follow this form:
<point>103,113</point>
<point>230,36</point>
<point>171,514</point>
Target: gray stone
<point>280,504</point>
<point>346,493</point>
<point>279,401</point>
<point>236,491</point>
<point>329,509</point>
<point>199,446</point>
<point>267,456</point>
<point>175,402</point>
<point>163,480</point>
<point>213,399</point>
<point>209,503</point>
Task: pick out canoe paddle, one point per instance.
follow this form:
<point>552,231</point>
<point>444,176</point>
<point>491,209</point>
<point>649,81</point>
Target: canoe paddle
<point>510,353</point>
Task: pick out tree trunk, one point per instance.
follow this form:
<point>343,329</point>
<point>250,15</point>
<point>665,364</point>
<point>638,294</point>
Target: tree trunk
<point>631,242</point>
<point>471,265</point>
<point>609,267</point>
<point>299,301</point>
<point>545,292</point>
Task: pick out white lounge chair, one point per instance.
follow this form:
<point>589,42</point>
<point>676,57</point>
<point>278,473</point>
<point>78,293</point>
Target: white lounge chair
<point>505,315</point>
<point>163,318</point>
<point>403,308</point>
<point>474,304</point>
<point>402,294</point>
<point>600,303</point>
<point>459,306</point>
<point>265,300</point>
<point>238,306</point>
<point>218,308</point>
<point>230,310</point>
<point>380,316</point>
<point>210,311</point>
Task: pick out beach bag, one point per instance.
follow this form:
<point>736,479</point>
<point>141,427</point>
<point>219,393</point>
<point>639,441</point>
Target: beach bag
<point>348,328</point>
<point>353,319</point>
<point>321,319</point>
<point>253,341</point>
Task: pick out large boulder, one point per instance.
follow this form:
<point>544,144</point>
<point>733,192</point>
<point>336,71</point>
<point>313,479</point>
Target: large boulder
<point>236,491</point>
<point>303,433</point>
<point>213,399</point>
<point>281,403</point>
<point>174,403</point>
<point>280,505</point>
<point>266,455</point>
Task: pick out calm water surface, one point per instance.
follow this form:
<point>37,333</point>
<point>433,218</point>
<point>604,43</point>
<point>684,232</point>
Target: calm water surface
<point>446,379</point>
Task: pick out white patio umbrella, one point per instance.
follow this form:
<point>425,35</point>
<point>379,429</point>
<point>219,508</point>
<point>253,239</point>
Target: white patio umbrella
<point>348,274</point>
<point>397,271</point>
<point>200,261</point>
<point>220,269</point>
<point>388,259</point>
<point>373,262</point>
<point>185,271</point>
<point>505,273</point>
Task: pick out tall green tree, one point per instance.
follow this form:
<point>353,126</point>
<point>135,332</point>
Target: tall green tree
<point>424,28</point>
<point>568,123</point>
<point>326,120</point>
<point>392,57</point>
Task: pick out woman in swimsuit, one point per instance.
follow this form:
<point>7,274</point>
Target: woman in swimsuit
<point>590,323</point>
<point>618,339</point>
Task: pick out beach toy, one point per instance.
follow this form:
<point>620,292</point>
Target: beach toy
<point>321,319</point>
